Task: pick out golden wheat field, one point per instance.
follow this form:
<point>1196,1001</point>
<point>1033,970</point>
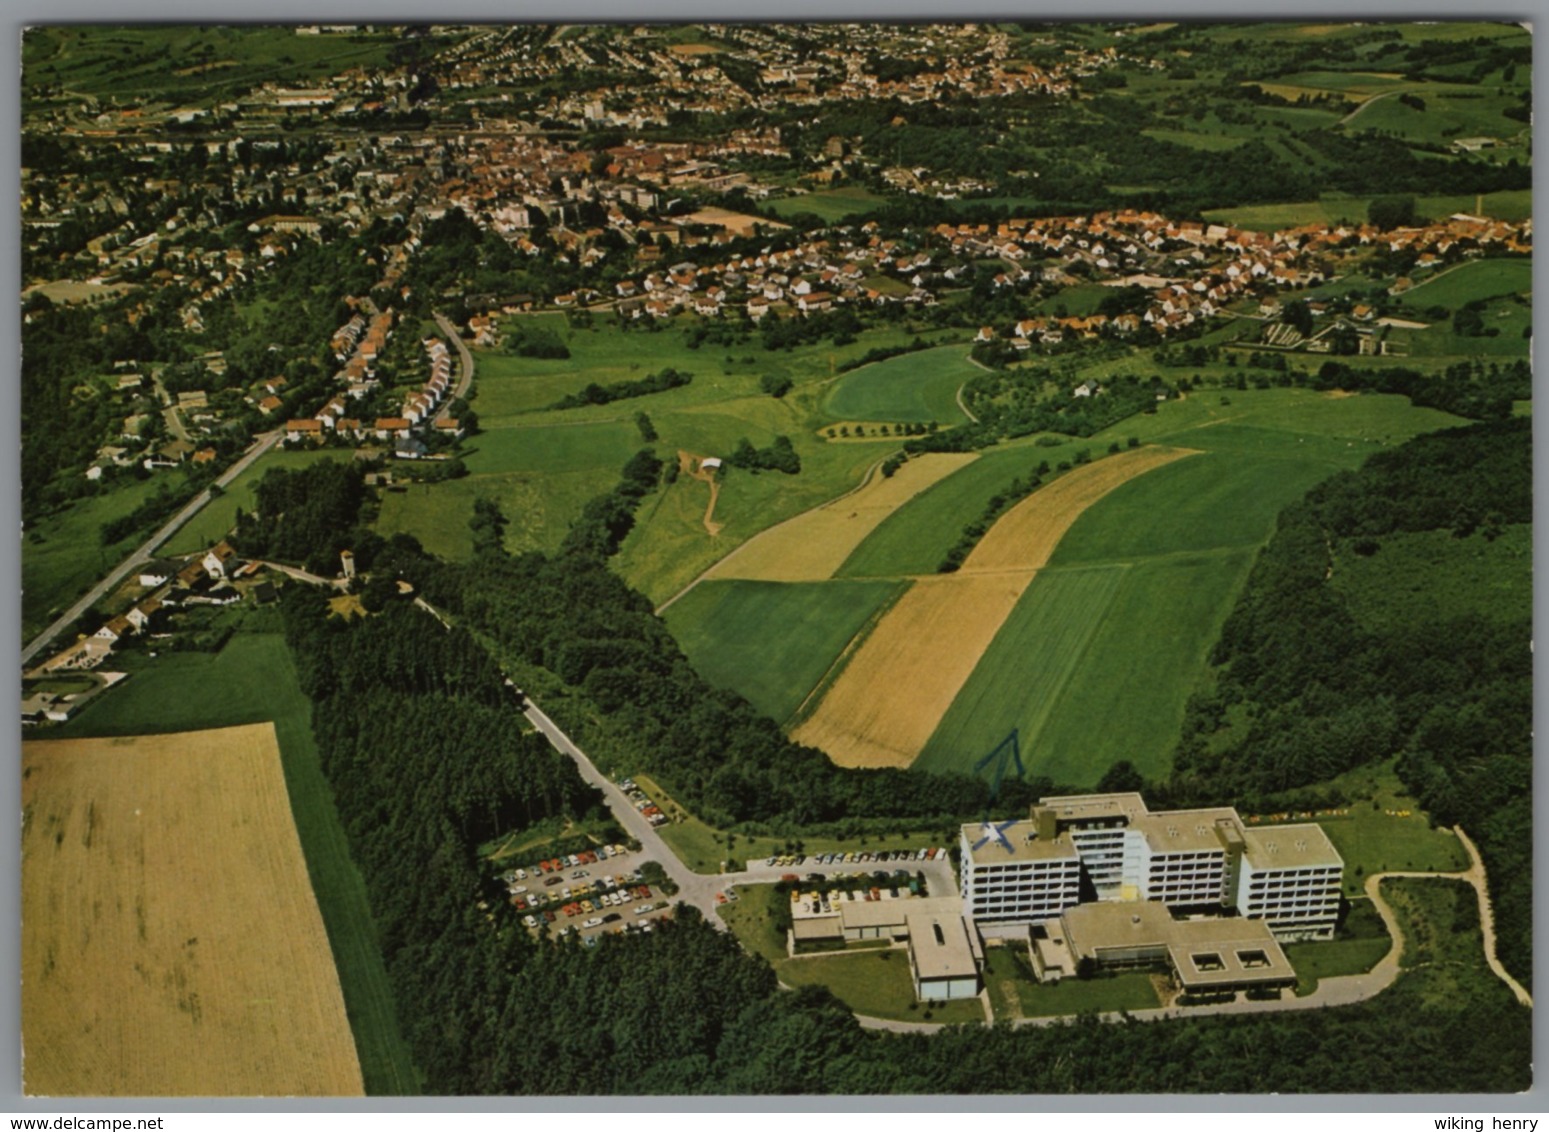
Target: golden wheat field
<point>883,707</point>
<point>171,943</point>
<point>900,682</point>
<point>811,546</point>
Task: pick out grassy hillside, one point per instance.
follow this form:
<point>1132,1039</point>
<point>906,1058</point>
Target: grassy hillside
<point>773,642</point>
<point>1095,673</point>
<point>915,537</point>
<point>915,388</point>
<point>1476,279</point>
<point>195,65</point>
<point>64,554</point>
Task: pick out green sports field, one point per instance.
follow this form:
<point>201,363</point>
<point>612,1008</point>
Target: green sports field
<point>829,205</point>
<point>915,388</point>
<point>773,642</point>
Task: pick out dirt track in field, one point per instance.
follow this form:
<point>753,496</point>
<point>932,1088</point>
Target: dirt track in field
<point>884,706</point>
<point>691,465</point>
<point>171,943</point>
<point>814,544</point>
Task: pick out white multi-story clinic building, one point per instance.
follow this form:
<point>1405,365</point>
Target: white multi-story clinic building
<point>1111,848</point>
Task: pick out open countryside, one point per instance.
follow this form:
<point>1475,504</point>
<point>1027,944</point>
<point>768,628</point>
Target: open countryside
<point>672,542</point>
<point>163,883</point>
<point>924,649</point>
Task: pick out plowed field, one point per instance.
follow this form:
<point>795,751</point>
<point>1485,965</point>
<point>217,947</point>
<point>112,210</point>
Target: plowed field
<point>171,943</point>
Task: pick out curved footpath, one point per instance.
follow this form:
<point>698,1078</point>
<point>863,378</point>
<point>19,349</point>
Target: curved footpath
<point>866,479</point>
<point>1336,990</point>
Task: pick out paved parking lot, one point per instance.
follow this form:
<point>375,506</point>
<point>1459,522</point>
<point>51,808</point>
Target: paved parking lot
<point>600,891</point>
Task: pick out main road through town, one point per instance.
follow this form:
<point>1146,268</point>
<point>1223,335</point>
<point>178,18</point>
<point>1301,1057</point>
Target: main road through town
<point>146,549</point>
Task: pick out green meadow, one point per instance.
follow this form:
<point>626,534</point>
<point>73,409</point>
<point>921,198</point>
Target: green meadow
<point>1476,279</point>
<point>63,553</point>
<point>915,388</point>
<point>1514,204</point>
<point>670,545</point>
<point>773,642</point>
<point>1098,658</point>
<point>1472,113</point>
<point>197,64</point>
<point>1027,673</point>
<point>914,538</point>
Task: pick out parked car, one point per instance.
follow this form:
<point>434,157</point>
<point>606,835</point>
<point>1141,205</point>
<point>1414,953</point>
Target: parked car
<point>594,922</point>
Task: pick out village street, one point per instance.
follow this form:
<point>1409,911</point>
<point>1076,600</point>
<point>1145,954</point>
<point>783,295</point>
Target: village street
<point>147,549</point>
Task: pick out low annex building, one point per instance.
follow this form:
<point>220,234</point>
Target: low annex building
<point>1210,954</point>
<point>945,955</point>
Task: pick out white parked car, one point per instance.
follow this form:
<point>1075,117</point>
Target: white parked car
<point>594,922</point>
